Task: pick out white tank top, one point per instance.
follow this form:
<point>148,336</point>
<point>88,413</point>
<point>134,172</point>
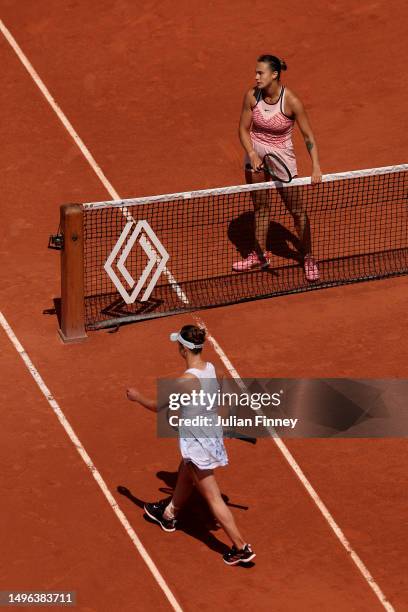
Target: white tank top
<point>209,384</point>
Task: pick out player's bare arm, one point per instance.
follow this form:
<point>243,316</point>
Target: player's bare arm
<point>185,384</point>
<point>244,129</point>
<point>295,107</point>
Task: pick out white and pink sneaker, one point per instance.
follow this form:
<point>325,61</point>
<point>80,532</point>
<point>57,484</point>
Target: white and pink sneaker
<point>252,261</point>
<point>311,269</point>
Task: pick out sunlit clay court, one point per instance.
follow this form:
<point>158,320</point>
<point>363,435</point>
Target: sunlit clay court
<point>203,306</point>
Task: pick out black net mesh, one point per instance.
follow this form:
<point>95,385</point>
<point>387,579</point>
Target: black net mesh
<point>358,229</point>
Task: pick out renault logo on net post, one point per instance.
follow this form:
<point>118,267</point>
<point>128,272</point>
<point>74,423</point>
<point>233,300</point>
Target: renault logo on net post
<point>157,255</point>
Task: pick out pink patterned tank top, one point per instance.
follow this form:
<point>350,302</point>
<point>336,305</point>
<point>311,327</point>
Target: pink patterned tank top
<point>270,125</point>
<point>271,129</point>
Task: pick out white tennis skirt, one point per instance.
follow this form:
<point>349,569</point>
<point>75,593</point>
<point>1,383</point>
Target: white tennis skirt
<point>205,453</point>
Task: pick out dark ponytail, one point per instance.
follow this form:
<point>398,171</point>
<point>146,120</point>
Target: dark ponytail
<point>274,63</point>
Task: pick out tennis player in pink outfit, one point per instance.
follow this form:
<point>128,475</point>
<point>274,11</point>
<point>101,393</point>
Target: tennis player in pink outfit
<point>268,116</point>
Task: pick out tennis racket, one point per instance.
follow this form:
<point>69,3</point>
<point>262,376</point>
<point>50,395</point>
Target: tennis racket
<point>276,168</point>
<point>273,165</point>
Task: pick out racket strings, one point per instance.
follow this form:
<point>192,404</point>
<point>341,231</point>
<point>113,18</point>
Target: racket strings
<point>276,168</point>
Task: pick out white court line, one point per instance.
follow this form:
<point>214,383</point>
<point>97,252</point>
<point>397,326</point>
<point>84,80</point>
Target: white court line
<point>81,145</point>
<point>88,462</point>
<point>281,445</point>
<point>308,486</point>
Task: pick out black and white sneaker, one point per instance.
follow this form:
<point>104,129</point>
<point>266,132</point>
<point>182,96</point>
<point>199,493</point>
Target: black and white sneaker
<point>155,512</point>
<point>235,556</point>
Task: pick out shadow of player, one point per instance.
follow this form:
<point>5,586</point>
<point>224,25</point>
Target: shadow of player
<point>241,232</point>
<point>195,519</point>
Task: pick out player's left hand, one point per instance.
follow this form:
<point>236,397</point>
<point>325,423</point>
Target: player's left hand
<point>316,176</point>
<point>133,395</point>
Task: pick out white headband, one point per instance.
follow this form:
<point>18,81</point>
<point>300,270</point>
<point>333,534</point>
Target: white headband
<point>177,337</point>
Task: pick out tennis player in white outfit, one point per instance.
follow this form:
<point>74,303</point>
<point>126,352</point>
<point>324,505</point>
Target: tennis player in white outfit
<point>202,449</point>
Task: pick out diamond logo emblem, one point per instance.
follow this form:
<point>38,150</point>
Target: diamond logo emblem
<point>157,257</point>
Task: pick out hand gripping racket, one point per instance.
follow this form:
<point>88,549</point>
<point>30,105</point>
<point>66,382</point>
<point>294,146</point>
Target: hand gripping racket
<point>273,165</point>
<point>276,168</point>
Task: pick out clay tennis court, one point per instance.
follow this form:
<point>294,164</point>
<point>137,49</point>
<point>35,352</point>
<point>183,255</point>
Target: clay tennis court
<point>327,517</point>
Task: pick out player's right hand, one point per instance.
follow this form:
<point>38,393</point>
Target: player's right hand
<point>256,162</point>
<point>133,395</point>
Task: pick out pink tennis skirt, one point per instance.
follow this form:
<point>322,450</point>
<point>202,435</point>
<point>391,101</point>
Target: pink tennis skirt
<point>286,154</point>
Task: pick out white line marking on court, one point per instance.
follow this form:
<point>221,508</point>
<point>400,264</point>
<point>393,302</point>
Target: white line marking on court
<point>280,444</point>
<point>90,465</point>
<point>61,116</point>
<point>305,482</point>
<point>79,142</point>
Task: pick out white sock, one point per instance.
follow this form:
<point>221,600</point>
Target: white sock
<point>170,511</point>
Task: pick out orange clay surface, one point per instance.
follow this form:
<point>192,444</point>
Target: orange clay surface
<point>138,80</point>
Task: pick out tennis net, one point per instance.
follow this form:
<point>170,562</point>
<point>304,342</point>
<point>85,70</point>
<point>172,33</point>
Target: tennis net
<point>162,255</point>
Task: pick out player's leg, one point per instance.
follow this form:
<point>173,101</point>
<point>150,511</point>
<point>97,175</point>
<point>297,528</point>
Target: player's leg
<point>257,257</point>
<point>292,198</point>
<point>208,487</point>
<point>184,488</point>
<point>261,201</point>
<point>164,512</point>
<point>205,481</point>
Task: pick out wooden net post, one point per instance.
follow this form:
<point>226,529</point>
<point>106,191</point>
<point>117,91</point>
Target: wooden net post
<point>72,275</point>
